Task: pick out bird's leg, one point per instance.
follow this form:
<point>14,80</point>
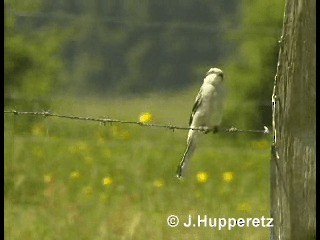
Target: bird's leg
<point>215,129</point>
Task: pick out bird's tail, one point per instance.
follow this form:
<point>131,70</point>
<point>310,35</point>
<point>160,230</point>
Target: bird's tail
<point>182,167</point>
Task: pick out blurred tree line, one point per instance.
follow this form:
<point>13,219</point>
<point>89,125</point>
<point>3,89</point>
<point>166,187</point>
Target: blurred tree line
<point>252,68</point>
<point>121,46</point>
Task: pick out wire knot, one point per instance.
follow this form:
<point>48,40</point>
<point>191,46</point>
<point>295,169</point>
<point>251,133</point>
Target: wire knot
<point>232,129</point>
<point>171,127</point>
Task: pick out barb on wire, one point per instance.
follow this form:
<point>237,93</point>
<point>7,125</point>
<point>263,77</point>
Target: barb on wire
<point>109,120</point>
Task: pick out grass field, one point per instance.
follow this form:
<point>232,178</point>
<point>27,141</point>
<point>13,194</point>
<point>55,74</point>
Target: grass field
<point>68,179</point>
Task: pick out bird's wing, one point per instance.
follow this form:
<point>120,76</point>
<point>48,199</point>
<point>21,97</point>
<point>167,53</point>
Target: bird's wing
<point>196,105</point>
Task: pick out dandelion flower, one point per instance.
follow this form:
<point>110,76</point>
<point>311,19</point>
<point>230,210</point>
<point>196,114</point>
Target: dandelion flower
<point>227,176</point>
<point>145,117</point>
<point>202,177</point>
<point>107,181</point>
<point>47,178</point>
<point>75,175</point>
<point>158,183</point>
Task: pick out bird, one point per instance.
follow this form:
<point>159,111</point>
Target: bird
<point>206,114</point>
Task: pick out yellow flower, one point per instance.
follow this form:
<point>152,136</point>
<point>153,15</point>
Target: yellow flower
<point>47,178</point>
<point>227,176</point>
<point>158,183</point>
<point>202,177</point>
<point>87,190</point>
<point>145,117</point>
<point>75,175</point>
<point>107,181</point>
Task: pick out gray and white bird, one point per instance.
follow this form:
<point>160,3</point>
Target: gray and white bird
<point>206,114</point>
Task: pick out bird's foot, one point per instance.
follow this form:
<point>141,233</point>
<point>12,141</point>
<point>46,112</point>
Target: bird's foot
<point>215,129</point>
<point>205,129</point>
<point>179,172</point>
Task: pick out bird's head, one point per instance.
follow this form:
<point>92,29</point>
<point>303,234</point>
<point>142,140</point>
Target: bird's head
<point>214,76</point>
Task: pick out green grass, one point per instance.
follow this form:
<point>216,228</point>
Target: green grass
<point>54,171</point>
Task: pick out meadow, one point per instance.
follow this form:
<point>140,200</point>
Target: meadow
<point>69,179</point>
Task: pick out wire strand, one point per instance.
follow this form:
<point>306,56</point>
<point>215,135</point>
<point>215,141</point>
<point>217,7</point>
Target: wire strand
<point>110,120</point>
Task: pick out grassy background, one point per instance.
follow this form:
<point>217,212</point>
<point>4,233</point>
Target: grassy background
<point>55,168</point>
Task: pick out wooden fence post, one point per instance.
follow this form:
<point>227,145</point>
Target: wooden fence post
<point>293,163</point>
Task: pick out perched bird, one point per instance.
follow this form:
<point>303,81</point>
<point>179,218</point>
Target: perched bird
<point>206,114</point>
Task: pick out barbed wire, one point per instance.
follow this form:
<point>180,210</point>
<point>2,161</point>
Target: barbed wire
<point>143,124</point>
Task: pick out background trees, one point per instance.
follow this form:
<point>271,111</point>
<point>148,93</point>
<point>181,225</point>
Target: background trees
<point>105,48</point>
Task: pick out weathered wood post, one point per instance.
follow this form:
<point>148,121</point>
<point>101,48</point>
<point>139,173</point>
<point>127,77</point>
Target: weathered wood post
<point>293,163</point>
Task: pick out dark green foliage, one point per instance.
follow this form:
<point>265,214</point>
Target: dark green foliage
<point>252,68</point>
<point>116,47</point>
<point>125,46</point>
<point>31,59</point>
